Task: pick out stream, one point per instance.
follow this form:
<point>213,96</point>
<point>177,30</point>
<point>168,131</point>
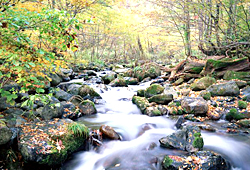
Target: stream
<point>140,149</point>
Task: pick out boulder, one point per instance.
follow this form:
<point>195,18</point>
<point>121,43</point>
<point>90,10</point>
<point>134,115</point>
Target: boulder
<point>233,114</point>
<point>141,92</point>
<point>151,70</point>
<point>224,89</point>
<point>4,104</point>
<point>55,79</point>
<point>87,107</point>
<point>244,123</point>
<point>69,110</point>
<point>203,83</point>
<point>5,134</point>
<point>188,138</point>
<point>205,95</point>
<point>246,93</point>
<point>161,98</point>
<point>141,102</point>
<point>118,82</point>
<point>74,89</point>
<point>50,142</point>
<point>109,133</point>
<point>197,106</point>
<point>62,95</point>
<point>229,75</point>
<point>109,77</point>
<point>131,80</point>
<point>207,160</point>
<point>86,90</point>
<point>51,110</point>
<point>154,89</point>
<point>155,111</point>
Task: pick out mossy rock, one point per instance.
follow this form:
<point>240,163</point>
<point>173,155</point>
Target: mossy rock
<point>178,82</point>
<point>205,95</point>
<point>85,90</point>
<point>141,92</point>
<point>242,104</point>
<point>229,75</point>
<point>151,70</point>
<point>109,78</point>
<point>118,82</point>
<point>203,83</point>
<point>154,89</point>
<point>244,123</point>
<point>198,141</point>
<point>224,89</point>
<point>161,98</point>
<point>141,102</point>
<point>53,142</point>
<point>233,114</point>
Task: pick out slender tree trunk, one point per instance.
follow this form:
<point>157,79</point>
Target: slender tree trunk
<point>187,28</point>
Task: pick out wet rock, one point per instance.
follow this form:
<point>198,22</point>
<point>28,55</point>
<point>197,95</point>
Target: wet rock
<point>145,127</point>
<point>153,111</point>
<point>109,132</point>
<point>233,114</point>
<point>229,75</point>
<point>141,93</point>
<point>150,70</point>
<point>154,89</point>
<point>4,104</point>
<point>62,95</point>
<point>90,72</point>
<point>161,98</point>
<point>205,160</point>
<point>197,106</point>
<point>244,123</point>
<point>5,134</point>
<point>224,89</point>
<point>109,77</point>
<point>246,93</point>
<point>69,111</point>
<point>85,90</point>
<point>94,80</point>
<point>53,141</point>
<point>215,114</point>
<point>74,89</point>
<point>141,102</point>
<point>179,122</point>
<point>55,79</point>
<point>203,83</point>
<point>206,127</point>
<point>118,82</point>
<point>87,107</point>
<point>51,110</point>
<point>188,138</point>
<point>178,82</point>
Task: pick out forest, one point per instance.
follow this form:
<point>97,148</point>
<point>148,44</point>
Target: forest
<point>124,84</point>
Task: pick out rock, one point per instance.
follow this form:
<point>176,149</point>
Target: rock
<point>131,81</point>
<point>62,95</point>
<point>179,122</point>
<point>53,142</point>
<point>118,82</point>
<point>68,110</point>
<point>229,75</point>
<point>208,160</point>
<point>51,110</point>
<point>109,77</point>
<point>242,104</point>
<point>109,132</point>
<point>178,82</point>
<point>87,107</point>
<point>141,93</point>
<point>90,72</point>
<point>233,114</point>
<point>94,80</point>
<point>161,98</point>
<point>246,93</point>
<point>74,89</point>
<point>85,90</point>
<point>224,89</point>
<point>205,95</point>
<point>155,111</point>
<point>188,138</point>
<point>240,83</point>
<point>4,104</point>
<point>5,134</point>
<point>154,89</point>
<point>150,70</point>
<point>206,127</point>
<point>55,79</point>
<point>141,102</point>
<point>197,106</point>
<point>203,83</point>
<point>244,123</point>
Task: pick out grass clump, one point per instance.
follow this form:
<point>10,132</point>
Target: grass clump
<point>78,129</point>
<point>167,162</point>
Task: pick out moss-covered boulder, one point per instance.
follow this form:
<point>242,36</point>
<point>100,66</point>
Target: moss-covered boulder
<point>244,123</point>
<point>224,89</point>
<point>196,106</point>
<point>205,95</point>
<point>50,142</point>
<point>155,111</point>
<point>161,98</point>
<point>109,77</point>
<point>178,82</point>
<point>151,70</point>
<point>141,102</point>
<point>242,104</point>
<point>131,80</point>
<point>118,82</point>
<point>5,133</point>
<point>141,92</point>
<point>229,75</point>
<point>203,83</point>
<point>154,89</point>
<point>233,114</point>
<point>86,90</point>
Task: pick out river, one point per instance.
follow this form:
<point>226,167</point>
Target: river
<point>140,149</point>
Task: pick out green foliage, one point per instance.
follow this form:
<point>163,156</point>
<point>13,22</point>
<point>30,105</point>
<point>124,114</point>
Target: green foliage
<point>167,161</point>
<point>198,142</point>
<point>233,114</point>
<point>78,129</point>
<point>242,104</point>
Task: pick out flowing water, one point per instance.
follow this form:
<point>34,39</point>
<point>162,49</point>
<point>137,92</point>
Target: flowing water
<point>139,148</point>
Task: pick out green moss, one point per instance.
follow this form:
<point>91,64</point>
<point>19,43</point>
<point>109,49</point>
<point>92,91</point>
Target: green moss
<point>198,142</point>
<point>234,115</point>
<point>198,134</point>
<point>167,162</point>
<point>229,75</point>
<point>156,112</point>
<point>153,90</point>
<point>242,104</point>
<point>220,64</point>
<point>205,95</point>
<point>141,102</point>
<point>197,70</point>
<point>141,93</point>
<point>84,90</point>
